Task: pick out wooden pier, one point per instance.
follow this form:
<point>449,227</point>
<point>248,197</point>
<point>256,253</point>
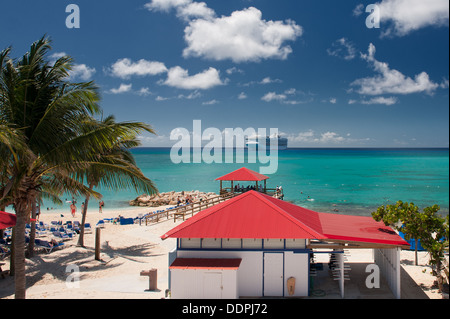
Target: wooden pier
<point>187,210</point>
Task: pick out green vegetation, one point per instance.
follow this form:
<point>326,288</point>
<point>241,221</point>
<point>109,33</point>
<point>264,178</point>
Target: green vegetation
<point>427,226</point>
<point>51,142</point>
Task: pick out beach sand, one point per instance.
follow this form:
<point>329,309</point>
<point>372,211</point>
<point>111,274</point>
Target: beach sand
<point>126,250</point>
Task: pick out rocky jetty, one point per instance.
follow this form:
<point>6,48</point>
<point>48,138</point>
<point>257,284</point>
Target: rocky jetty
<point>170,198</point>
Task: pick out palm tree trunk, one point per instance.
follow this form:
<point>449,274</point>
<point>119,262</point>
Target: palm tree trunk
<point>83,219</point>
<point>21,209</point>
<point>415,251</point>
<point>12,267</point>
<point>30,249</point>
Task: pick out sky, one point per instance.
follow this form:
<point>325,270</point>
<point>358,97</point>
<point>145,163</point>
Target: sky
<point>325,73</point>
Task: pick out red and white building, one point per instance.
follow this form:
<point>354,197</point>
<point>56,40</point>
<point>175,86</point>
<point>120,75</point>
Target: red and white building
<point>252,244</point>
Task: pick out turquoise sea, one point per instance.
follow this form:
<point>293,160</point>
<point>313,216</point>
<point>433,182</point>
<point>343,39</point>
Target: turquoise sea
<point>350,181</point>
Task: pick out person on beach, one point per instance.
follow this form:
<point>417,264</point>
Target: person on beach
<point>100,206</point>
<point>73,209</point>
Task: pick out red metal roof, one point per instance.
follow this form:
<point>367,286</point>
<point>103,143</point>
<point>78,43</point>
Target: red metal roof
<point>358,229</point>
<point>243,174</point>
<point>250,215</point>
<point>256,215</point>
<point>204,263</point>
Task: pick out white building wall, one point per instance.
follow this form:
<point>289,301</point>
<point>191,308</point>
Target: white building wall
<point>388,260</point>
<point>297,266</point>
<point>190,284</point>
<point>250,273</point>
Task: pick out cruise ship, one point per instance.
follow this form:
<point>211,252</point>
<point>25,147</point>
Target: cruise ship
<point>269,141</point>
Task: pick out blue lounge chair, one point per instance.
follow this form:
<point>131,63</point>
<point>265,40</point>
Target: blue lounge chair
<point>61,235</point>
<point>87,228</point>
<point>76,227</point>
<point>40,233</point>
<point>43,226</point>
<point>100,223</point>
<point>46,245</point>
<point>126,221</point>
<point>69,231</point>
<point>3,252</point>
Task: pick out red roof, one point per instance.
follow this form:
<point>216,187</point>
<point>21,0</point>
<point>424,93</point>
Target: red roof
<point>256,215</point>
<point>204,263</point>
<point>243,174</point>
<point>358,229</point>
<point>250,215</point>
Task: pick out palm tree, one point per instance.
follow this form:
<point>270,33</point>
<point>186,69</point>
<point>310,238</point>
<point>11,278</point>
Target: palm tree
<point>41,142</point>
<point>116,168</point>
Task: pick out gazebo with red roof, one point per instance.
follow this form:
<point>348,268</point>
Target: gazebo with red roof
<point>243,175</point>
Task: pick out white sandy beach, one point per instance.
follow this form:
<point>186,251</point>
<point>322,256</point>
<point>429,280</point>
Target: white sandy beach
<point>129,249</point>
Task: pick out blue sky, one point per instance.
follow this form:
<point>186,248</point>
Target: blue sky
<point>311,68</point>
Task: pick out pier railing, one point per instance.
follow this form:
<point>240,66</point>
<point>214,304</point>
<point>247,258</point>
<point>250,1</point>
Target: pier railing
<point>269,191</point>
<point>188,209</point>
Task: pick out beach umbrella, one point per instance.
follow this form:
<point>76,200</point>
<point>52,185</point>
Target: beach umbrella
<point>7,220</point>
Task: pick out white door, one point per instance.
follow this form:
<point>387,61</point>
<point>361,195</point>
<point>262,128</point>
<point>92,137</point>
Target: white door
<point>212,285</point>
<point>273,274</point>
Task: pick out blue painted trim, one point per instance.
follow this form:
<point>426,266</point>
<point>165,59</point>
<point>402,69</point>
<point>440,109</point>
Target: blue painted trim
<point>273,250</point>
<point>309,271</point>
<point>295,250</point>
<point>329,252</point>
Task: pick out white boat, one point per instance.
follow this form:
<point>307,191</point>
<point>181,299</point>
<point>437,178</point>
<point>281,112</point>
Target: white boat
<point>269,142</point>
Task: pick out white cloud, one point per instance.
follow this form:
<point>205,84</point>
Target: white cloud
<point>166,5</point>
<point>234,70</point>
<point>144,91</point>
<point>125,68</point>
<point>212,102</point>
<point>244,36</point>
<point>265,81</point>
<point>343,48</point>
<point>310,137</point>
<point>160,98</point>
<point>406,16</point>
<point>186,9</point>
<point>359,9</point>
<point>390,81</point>
<point>180,78</point>
<point>291,91</point>
<point>196,10</point>
<point>376,100</point>
<point>241,37</point>
<point>82,71</point>
<point>192,96</point>
<point>333,100</point>
<point>322,139</point>
<point>381,100</point>
<point>283,98</point>
<point>268,80</point>
<point>242,96</point>
<point>57,55</point>
<point>272,96</point>
<point>154,140</point>
<point>123,88</point>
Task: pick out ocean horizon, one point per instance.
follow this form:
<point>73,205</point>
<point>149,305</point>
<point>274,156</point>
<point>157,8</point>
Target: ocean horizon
<point>351,181</point>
